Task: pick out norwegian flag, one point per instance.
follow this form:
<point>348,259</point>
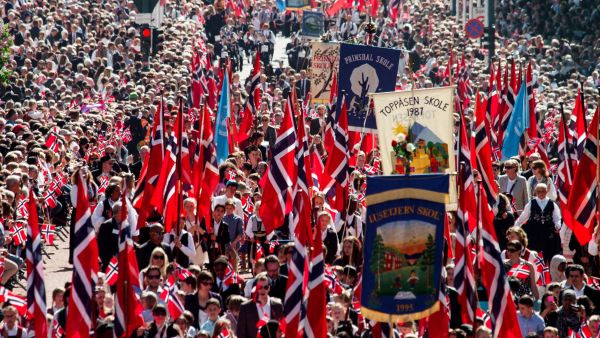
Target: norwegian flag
<point>128,309</point>
<point>18,233</point>
<point>8,297</point>
<point>231,277</point>
<point>273,245</point>
<point>153,163</point>
<point>331,281</point>
<point>112,271</point>
<point>36,291</point>
<point>508,102</point>
<point>57,330</point>
<point>593,282</point>
<point>543,271</point>
<point>22,212</point>
<point>224,333</point>
<point>567,157</point>
<point>483,155</point>
<point>503,312</point>
<point>317,293</point>
<point>126,135</point>
<point>85,267</point>
<point>581,206</point>
<point>52,140</point>
<point>260,253</point>
<point>577,126</point>
<point>254,85</point>
<point>281,176</point>
<point>485,318</point>
<point>48,231</point>
<point>465,90</point>
<point>534,134</point>
<point>317,166</point>
<point>300,226</point>
<point>247,207</point>
<point>183,273</point>
<point>168,186</point>
<point>519,271</point>
<point>263,320</point>
<point>173,303</point>
<point>49,199</point>
<point>334,181</point>
<point>464,277</point>
<point>206,174</point>
<point>583,332</point>
<point>104,179</point>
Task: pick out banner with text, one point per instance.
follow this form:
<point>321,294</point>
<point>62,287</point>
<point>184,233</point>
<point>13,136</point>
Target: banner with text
<point>365,70</point>
<point>423,118</point>
<point>323,64</point>
<point>403,246</point>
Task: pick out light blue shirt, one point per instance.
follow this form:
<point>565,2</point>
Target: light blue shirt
<point>534,324</point>
<point>208,326</point>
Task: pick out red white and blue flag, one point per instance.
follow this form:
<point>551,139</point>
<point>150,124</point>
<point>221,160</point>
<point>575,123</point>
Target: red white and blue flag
<point>36,291</point>
<point>85,268</point>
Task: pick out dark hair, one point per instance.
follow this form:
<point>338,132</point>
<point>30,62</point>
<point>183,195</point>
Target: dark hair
<point>204,276</point>
<point>271,259</point>
<point>213,301</point>
<point>526,300</point>
<point>159,309</point>
<point>516,244</point>
<point>574,267</point>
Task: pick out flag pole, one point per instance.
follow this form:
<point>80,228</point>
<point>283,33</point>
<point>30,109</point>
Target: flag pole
<point>178,166</point>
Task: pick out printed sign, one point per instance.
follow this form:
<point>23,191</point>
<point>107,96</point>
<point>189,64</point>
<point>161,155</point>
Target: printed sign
<point>323,64</point>
<point>312,24</point>
<point>365,70</point>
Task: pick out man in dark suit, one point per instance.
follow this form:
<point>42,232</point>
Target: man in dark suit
<point>108,236</point>
<point>144,251</point>
<point>254,310</point>
<point>574,274</point>
<point>222,286</point>
<point>277,281</point>
<point>219,237</point>
<point>302,85</point>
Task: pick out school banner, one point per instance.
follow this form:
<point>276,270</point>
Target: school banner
<point>312,24</point>
<point>421,118</point>
<point>403,246</point>
<point>297,5</point>
<point>323,64</point>
<point>365,70</point>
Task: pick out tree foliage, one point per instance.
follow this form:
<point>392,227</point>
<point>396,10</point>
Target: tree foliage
<point>6,42</point>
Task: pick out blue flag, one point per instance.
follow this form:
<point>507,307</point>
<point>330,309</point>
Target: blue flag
<point>221,134</point>
<point>518,123</point>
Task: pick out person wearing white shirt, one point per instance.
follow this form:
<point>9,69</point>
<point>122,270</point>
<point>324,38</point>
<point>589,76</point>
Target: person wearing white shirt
<point>230,189</point>
<point>542,222</point>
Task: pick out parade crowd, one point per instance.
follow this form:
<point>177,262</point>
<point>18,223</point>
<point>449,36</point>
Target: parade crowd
<point>84,110</point>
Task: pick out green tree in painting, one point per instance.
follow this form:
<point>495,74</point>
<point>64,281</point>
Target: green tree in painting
<point>378,258</point>
<point>428,258</point>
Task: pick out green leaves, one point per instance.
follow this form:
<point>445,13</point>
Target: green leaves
<point>6,42</point>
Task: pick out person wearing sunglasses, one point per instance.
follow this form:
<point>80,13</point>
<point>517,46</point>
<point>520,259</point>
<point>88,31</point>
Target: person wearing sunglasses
<point>522,270</point>
<point>514,184</point>
<point>260,307</point>
<point>153,280</point>
<point>197,302</point>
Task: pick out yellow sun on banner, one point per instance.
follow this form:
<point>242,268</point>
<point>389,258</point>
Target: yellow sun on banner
<point>400,128</point>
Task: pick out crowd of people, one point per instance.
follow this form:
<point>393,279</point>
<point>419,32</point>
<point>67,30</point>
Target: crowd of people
<point>81,100</point>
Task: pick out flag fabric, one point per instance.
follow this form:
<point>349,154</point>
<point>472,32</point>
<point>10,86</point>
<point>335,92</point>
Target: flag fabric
<point>223,113</point>
<point>20,303</point>
<point>231,276</point>
<point>174,305</point>
<point>517,125</point>
<point>519,271</point>
<point>57,329</point>
<point>128,309</point>
<point>464,277</point>
<point>36,291</point>
<point>165,198</point>
<point>316,168</point>
<point>483,155</point>
<point>506,106</point>
<point>316,324</point>
<point>281,175</point>
<point>18,233</point>
<point>206,168</point>
<point>334,181</point>
<point>567,162</point>
<point>300,226</point>
<point>85,267</point>
<point>154,162</point>
<point>534,132</point>
<point>112,271</point>
<point>577,125</point>
<point>503,312</point>
<point>581,205</point>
